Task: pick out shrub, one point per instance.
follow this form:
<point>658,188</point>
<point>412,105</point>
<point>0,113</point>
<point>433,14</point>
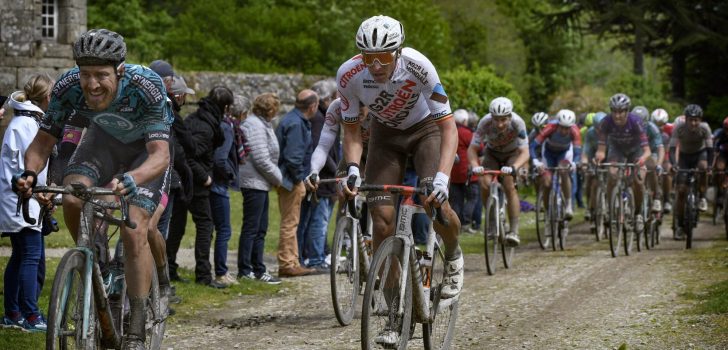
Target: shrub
<point>474,88</point>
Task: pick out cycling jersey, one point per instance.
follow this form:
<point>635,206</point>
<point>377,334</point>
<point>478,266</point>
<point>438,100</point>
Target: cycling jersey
<point>654,137</point>
<point>412,94</point>
<point>625,138</point>
<point>139,112</point>
<point>721,141</point>
<point>590,142</point>
<point>692,140</point>
<point>329,133</point>
<point>513,137</point>
<point>556,142</point>
<point>532,135</point>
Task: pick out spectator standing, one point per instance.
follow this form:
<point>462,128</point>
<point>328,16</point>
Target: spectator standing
<point>294,138</point>
<point>204,124</point>
<point>477,216</point>
<point>225,175</point>
<point>463,197</point>
<point>25,271</point>
<point>258,173</point>
<point>315,214</point>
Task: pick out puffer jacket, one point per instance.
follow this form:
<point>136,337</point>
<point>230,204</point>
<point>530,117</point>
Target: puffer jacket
<point>260,170</point>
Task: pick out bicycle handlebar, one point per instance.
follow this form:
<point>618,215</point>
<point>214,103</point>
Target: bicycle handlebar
<point>86,194</point>
<point>487,172</point>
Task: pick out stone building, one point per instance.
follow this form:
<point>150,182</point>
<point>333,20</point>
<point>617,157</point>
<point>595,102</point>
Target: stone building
<point>37,36</point>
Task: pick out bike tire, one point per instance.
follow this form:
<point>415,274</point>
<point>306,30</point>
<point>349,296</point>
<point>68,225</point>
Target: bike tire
<point>491,235</point>
<point>506,251</point>
<point>543,239</point>
<point>629,229</point>
<point>600,215</point>
<point>563,227</point>
<point>376,310</point>
<point>439,332</point>
<point>688,219</point>
<point>65,313</point>
<point>553,219</point>
<point>616,217</point>
<point>345,272</point>
<point>725,213</point>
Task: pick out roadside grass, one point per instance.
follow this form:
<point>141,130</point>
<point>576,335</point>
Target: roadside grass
<point>711,300</point>
<point>194,298</point>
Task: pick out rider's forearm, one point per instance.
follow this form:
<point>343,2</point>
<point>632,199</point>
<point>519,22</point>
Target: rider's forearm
<point>353,145</point>
<point>449,145</point>
<point>646,153</point>
<point>660,155</point>
<point>38,152</point>
<point>522,158</point>
<point>155,165</point>
<point>473,156</point>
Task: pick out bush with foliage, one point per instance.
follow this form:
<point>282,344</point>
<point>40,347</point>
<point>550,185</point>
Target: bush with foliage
<point>474,88</point>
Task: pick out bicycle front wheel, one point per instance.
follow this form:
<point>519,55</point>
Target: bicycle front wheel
<point>506,251</point>
<point>156,316</point>
<point>491,236</point>
<point>543,239</point>
<point>438,333</point>
<point>629,227</point>
<point>344,271</point>
<point>65,313</point>
<point>689,219</point>
<point>616,222</point>
<point>553,218</point>
<point>600,215</point>
<point>382,325</point>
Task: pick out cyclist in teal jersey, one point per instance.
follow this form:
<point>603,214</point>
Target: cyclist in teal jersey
<point>129,132</point>
<point>588,152</point>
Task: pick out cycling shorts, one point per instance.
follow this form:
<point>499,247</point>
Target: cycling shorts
<point>388,151</point>
<point>552,159</point>
<point>494,160</point>
<point>617,155</point>
<point>100,157</point>
<point>690,161</point>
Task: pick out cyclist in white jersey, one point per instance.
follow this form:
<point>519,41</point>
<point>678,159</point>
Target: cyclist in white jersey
<point>404,95</point>
<point>506,149</point>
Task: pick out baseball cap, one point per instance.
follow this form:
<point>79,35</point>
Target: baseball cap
<point>179,86</point>
<point>163,68</point>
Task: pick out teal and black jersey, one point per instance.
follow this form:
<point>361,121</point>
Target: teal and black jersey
<point>654,137</point>
<point>139,112</point>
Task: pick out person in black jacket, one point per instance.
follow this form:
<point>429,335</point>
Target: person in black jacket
<point>204,124</point>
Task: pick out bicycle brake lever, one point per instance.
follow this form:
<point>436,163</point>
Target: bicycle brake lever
<point>436,211</point>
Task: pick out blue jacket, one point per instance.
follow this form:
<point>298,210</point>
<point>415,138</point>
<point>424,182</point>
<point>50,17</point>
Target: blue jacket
<point>225,162</point>
<point>294,139</point>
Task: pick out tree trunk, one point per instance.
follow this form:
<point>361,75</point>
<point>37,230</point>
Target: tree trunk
<point>677,74</point>
<point>639,51</point>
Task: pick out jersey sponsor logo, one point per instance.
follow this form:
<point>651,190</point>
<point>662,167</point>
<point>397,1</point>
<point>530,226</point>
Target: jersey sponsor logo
<point>438,94</point>
<point>440,115</point>
<point>346,77</point>
<point>392,109</point>
<point>330,118</point>
<point>114,121</point>
<point>148,87</point>
<point>141,191</point>
<point>344,102</point>
<point>370,84</point>
<point>418,71</point>
<point>64,84</point>
<point>158,136</point>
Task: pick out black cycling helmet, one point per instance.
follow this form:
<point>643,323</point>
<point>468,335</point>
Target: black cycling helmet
<point>693,111</point>
<point>99,47</point>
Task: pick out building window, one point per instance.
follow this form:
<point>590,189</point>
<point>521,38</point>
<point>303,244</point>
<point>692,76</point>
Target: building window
<point>49,15</point>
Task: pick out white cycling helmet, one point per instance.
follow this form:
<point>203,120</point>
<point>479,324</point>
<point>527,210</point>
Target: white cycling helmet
<point>660,116</point>
<point>642,112</point>
<point>461,116</point>
<point>380,33</point>
<point>539,119</point>
<point>501,106</point>
<point>566,117</point>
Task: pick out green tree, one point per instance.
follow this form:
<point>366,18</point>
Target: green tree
<point>473,89</point>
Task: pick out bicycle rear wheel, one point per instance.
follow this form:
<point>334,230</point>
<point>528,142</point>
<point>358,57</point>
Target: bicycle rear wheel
<point>491,236</point>
<point>629,221</point>
<point>344,271</point>
<point>156,316</point>
<point>438,333</point>
<point>616,222</point>
<point>543,239</point>
<point>381,323</point>
<point>65,313</point>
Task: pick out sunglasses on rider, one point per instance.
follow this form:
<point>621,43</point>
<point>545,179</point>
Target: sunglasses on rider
<point>384,58</point>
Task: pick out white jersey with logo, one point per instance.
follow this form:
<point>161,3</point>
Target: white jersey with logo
<point>513,137</point>
<point>328,135</point>
<point>413,93</point>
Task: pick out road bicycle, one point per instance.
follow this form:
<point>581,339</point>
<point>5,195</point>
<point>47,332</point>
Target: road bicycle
<point>404,280</point>
<point>650,235</point>
<point>600,212</point>
<point>544,241</point>
<point>495,223</point>
<point>351,254</point>
<point>690,207</point>
<point>621,208</point>
<point>89,310</point>
<point>557,223</point>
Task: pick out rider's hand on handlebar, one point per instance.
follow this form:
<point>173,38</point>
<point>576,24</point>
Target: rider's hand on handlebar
<point>352,173</point>
<point>506,170</point>
<point>478,170</point>
<point>124,185</point>
<point>310,183</point>
<point>23,183</point>
<point>439,190</point>
<point>538,165</point>
<point>598,157</point>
